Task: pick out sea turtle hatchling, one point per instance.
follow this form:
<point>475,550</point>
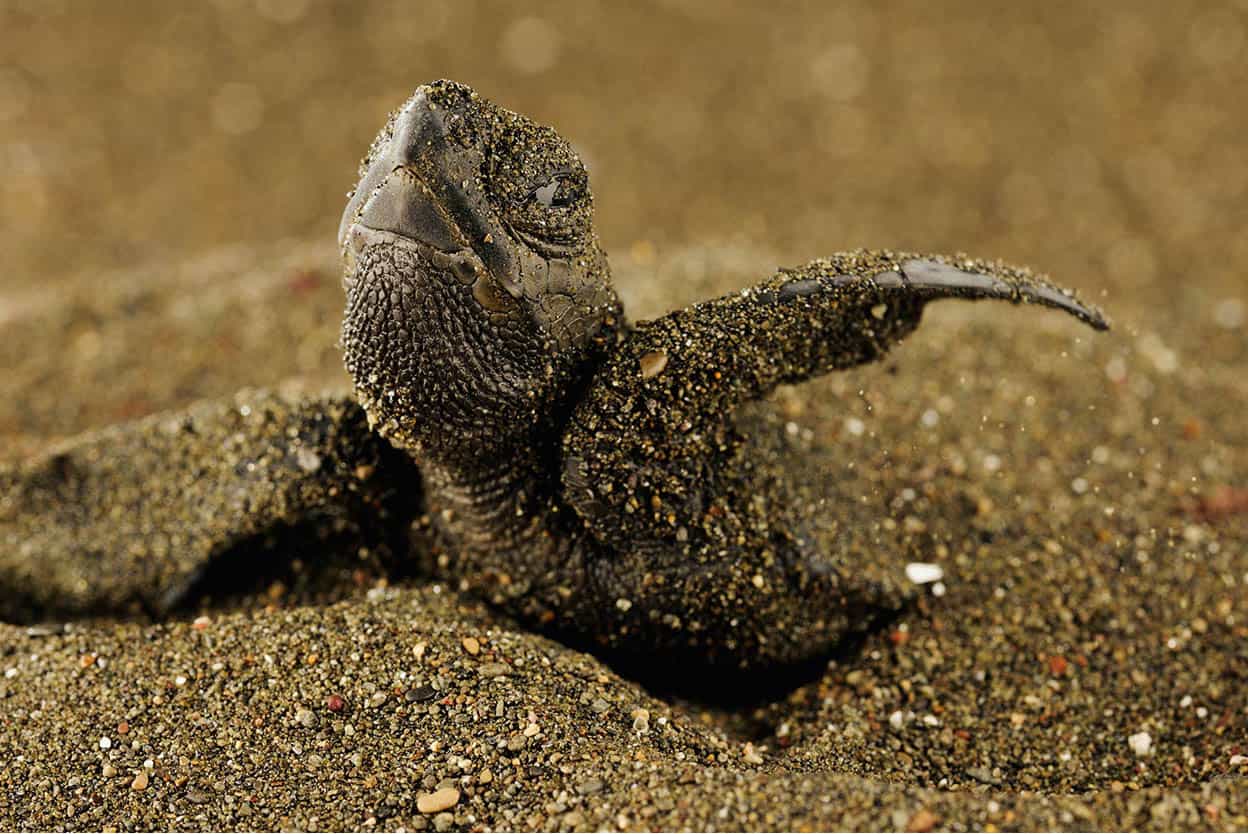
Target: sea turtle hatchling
<point>616,481</point>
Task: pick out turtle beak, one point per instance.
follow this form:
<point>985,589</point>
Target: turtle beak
<point>426,188</point>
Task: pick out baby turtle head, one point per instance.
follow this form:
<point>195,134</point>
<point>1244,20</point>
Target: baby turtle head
<point>477,291</point>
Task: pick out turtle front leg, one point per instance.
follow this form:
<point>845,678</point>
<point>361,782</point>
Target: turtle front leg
<point>647,450</point>
<point>666,470</point>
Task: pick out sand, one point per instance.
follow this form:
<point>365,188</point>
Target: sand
<point>1081,662</point>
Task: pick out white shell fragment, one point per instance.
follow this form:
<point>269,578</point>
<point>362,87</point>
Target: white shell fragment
<point>1141,744</point>
<point>924,573</point>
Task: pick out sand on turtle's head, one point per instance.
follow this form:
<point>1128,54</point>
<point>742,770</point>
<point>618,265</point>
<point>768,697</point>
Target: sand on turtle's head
<point>477,291</point>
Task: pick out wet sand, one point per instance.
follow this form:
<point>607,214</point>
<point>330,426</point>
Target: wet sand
<point>1081,664</point>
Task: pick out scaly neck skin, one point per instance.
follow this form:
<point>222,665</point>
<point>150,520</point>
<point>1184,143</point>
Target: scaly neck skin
<point>503,500</point>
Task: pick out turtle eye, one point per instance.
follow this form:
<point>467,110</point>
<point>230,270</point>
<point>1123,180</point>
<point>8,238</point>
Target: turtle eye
<point>546,193</point>
<point>551,212</point>
<point>558,192</point>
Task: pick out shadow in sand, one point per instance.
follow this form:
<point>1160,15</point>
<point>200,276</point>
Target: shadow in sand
<point>688,678</point>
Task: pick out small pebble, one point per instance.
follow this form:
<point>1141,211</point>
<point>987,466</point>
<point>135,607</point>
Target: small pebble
<point>472,646</point>
<point>439,800</point>
<point>307,460</point>
<point>140,780</point>
<point>652,363</point>
<point>493,670</point>
<point>420,694</point>
<point>923,573</point>
<point>589,786</point>
<point>922,821</point>
<point>1141,744</point>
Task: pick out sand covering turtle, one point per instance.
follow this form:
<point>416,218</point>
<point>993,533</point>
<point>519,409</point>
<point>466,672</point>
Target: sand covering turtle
<point>623,483</point>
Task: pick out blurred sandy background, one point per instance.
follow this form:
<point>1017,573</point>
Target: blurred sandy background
<point>171,177</point>
<point>1103,142</point>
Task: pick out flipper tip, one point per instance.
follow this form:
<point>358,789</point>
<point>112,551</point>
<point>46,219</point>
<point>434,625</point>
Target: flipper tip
<point>1067,301</point>
<point>968,278</point>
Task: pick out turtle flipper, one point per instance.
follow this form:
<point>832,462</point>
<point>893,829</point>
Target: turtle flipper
<point>138,516</point>
<point>934,277</point>
<point>648,446</point>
